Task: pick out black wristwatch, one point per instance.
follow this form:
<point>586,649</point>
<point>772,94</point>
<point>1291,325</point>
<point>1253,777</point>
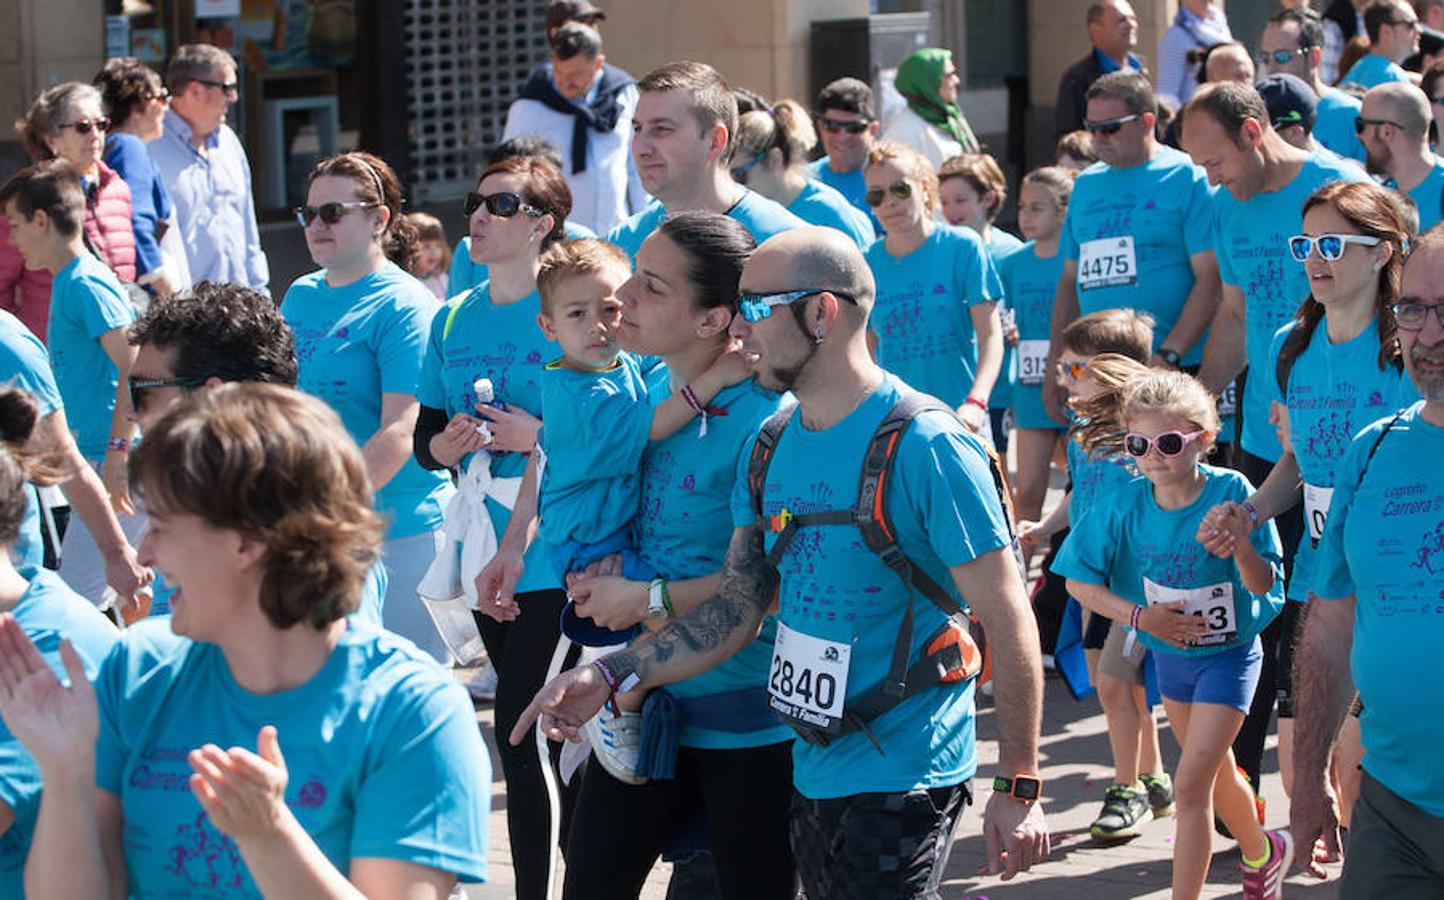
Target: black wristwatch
<point>1171,358</point>
<point>1025,788</point>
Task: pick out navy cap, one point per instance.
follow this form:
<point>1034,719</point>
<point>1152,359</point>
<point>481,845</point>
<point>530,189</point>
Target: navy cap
<point>1289,99</point>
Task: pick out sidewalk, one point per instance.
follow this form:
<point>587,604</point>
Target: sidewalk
<point>1074,754</point>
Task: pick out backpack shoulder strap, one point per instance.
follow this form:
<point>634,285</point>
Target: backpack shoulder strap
<point>875,487</point>
<point>762,450</point>
<point>1363,470</point>
<point>452,310</point>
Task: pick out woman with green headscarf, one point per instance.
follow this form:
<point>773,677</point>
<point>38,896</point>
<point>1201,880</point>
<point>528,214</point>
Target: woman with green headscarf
<point>931,123</point>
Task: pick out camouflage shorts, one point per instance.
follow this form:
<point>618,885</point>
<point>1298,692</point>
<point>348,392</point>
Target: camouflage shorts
<point>876,845</point>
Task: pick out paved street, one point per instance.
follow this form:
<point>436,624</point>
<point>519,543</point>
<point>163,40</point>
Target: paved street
<point>1074,758</point>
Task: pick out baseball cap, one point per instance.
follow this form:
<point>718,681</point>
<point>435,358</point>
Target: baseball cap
<point>559,12</point>
<point>1289,99</point>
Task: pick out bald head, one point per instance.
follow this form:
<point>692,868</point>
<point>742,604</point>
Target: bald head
<point>1400,103</point>
<point>814,257</point>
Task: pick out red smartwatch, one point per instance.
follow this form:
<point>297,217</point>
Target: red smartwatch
<point>1023,787</point>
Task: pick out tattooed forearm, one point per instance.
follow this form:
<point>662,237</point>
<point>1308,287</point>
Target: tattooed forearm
<point>714,630</point>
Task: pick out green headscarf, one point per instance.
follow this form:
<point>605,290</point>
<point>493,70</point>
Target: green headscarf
<point>918,80</point>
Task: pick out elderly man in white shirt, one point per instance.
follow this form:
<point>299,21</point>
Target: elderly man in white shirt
<point>583,107</point>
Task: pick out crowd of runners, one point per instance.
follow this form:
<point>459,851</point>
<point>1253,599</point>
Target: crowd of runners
<point>724,436</point>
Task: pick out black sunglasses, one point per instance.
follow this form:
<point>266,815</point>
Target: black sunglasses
<point>899,189</point>
<point>1109,126</point>
<point>330,213</point>
<point>84,126</point>
<point>851,127</point>
<point>224,86</point>
<point>139,387</point>
<point>1361,123</point>
<point>503,205</point>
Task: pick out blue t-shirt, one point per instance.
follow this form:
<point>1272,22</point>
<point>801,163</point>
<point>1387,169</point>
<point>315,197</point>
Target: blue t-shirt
<point>946,512</point>
<point>1125,539</point>
<point>355,343</point>
<point>1333,391</point>
<point>1428,195</point>
<point>1251,243</point>
<point>25,364</point>
<point>684,526</point>
<point>465,274</point>
<point>597,425</point>
<point>1384,546</point>
<point>819,204</point>
<point>1334,123</point>
<point>1002,245</point>
<point>1029,282</point>
<point>850,184</point>
<point>922,314</point>
<point>48,612</point>
<point>1373,70</point>
<point>86,301</point>
<point>384,756</point>
<point>1132,233</point>
<point>473,338</point>
<point>1094,477</point>
<point>760,216</point>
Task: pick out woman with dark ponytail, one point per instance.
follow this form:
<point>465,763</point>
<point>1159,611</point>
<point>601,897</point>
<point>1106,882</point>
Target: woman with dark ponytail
<point>1339,369</point>
<point>46,610</point>
<point>361,323</point>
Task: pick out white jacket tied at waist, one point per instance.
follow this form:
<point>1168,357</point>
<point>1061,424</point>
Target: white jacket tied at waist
<point>469,538</point>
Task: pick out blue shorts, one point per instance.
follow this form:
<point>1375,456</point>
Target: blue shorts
<point>1227,678</point>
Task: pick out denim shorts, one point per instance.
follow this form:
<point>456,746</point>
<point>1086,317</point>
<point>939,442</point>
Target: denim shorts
<point>1227,678</point>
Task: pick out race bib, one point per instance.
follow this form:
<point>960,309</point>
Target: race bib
<point>1228,400</point>
<point>1032,361</point>
<point>1107,262</point>
<point>808,680</point>
<point>1316,509</point>
<point>1213,604</point>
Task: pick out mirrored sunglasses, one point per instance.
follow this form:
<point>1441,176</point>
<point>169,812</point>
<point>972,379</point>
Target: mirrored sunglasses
<point>1330,246</point>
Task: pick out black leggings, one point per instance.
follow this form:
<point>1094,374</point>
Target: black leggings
<point>521,651</point>
<point>1248,747</point>
<point>619,830</point>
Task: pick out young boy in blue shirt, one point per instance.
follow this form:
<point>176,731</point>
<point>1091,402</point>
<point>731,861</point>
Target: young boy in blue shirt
<point>597,419</point>
<point>90,314</point>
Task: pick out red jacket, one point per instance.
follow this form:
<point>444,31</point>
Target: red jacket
<point>26,292</point>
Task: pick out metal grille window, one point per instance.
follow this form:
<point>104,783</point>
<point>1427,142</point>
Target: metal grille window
<point>465,62</point>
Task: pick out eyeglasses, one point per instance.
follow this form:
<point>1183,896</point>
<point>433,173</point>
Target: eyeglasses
<point>227,87</point>
<point>1330,246</point>
<point>502,205</point>
<point>1411,24</point>
<point>1437,101</point>
<point>833,126</point>
<point>330,213</point>
<point>139,387</point>
<point>739,174</point>
<point>1279,57</point>
<point>1073,370</point>
<point>1110,126</point>
<point>1413,316</point>
<point>1361,123</point>
<point>1169,443</point>
<point>84,126</point>
<point>756,307</point>
<point>899,189</point>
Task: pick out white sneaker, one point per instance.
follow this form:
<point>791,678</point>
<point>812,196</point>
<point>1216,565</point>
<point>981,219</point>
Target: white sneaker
<point>482,684</point>
<point>617,743</point>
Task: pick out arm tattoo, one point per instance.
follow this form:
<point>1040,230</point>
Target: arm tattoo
<point>746,590</point>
